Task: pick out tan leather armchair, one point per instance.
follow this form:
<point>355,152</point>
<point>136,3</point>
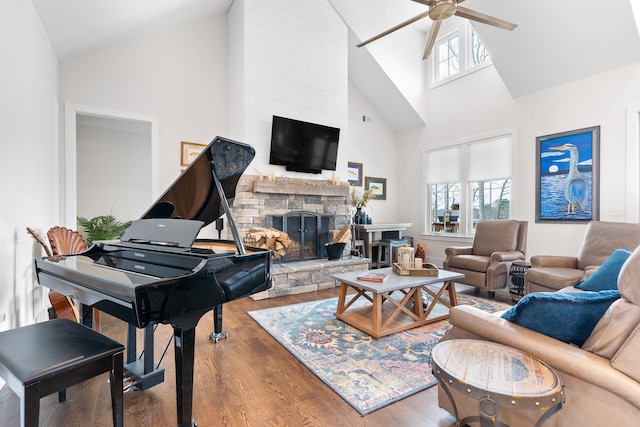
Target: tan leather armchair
<point>485,265</point>
<point>549,273</point>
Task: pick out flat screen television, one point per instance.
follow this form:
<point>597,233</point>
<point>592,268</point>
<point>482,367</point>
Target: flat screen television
<point>303,146</point>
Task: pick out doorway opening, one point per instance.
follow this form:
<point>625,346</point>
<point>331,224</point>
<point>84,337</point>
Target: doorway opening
<point>110,163</point>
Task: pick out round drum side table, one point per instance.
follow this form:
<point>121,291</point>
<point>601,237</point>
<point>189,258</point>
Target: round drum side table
<point>496,376</point>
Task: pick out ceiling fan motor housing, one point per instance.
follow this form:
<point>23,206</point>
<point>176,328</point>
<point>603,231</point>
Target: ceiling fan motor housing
<point>442,9</point>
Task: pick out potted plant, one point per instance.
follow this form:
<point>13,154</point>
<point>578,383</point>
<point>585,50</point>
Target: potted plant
<point>360,200</point>
<point>103,227</point>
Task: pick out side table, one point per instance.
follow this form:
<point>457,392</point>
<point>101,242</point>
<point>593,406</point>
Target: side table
<point>497,376</point>
<point>517,271</point>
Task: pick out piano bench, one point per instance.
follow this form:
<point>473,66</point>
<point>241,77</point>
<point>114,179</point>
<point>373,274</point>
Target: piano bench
<point>40,359</point>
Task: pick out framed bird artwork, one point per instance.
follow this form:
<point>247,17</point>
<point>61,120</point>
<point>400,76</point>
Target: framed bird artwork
<point>567,181</point>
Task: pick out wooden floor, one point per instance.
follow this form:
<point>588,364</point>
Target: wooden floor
<point>247,379</point>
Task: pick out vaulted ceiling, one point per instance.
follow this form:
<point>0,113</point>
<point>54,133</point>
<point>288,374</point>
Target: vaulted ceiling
<point>555,42</point>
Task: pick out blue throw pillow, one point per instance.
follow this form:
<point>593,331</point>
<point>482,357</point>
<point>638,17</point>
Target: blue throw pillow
<point>566,316</point>
<point>606,276</point>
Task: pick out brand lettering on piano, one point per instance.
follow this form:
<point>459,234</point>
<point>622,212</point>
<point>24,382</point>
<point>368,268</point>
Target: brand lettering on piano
<point>139,267</point>
<point>139,254</point>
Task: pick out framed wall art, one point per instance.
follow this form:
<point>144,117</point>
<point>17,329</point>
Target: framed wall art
<point>378,187</point>
<point>189,151</point>
<point>354,173</point>
<point>567,176</point>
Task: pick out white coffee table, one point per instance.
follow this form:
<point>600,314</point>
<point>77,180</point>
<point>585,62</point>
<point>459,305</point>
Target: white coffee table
<point>396,304</point>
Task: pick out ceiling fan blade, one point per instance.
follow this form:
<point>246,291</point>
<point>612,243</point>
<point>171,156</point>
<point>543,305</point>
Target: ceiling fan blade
<point>425,2</point>
<point>433,33</point>
<point>431,2</point>
<point>397,27</point>
<point>463,12</point>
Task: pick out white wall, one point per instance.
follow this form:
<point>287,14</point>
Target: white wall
<point>374,145</point>
<point>287,58</point>
<point>29,173</point>
<point>228,75</point>
<point>479,103</point>
<point>178,75</point>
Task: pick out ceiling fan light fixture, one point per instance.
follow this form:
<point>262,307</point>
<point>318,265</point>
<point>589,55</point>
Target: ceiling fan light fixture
<point>442,9</point>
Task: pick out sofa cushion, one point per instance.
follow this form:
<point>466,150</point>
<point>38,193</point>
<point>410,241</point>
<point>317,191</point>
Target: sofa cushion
<point>606,276</point>
<point>470,262</point>
<point>626,359</point>
<point>613,329</point>
<point>566,316</point>
<point>629,278</point>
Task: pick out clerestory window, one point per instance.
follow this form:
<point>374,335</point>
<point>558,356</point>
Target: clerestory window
<point>457,54</point>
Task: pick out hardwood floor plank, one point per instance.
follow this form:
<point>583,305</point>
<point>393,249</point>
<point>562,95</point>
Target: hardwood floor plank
<point>248,379</point>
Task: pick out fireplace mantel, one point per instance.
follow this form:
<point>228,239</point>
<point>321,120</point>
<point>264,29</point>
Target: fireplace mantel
<point>300,186</point>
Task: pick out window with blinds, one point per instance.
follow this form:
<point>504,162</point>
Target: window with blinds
<point>468,182</point>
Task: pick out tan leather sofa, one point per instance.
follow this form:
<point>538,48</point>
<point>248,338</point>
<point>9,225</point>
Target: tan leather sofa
<point>601,379</point>
<point>550,273</point>
<point>485,265</point>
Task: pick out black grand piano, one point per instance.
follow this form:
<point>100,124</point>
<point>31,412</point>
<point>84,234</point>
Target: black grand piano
<point>159,273</point>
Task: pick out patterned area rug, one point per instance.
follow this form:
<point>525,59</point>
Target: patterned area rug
<point>368,373</point>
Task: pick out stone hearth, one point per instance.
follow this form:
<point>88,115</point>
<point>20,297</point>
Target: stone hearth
<point>308,276</point>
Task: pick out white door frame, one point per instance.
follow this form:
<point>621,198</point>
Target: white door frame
<point>68,198</point>
<point>633,163</point>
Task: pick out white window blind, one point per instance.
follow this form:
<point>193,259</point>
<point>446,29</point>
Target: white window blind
<point>443,165</point>
<point>490,159</point>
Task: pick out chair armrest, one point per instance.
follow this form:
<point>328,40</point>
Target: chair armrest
<point>554,261</point>
<point>458,250</point>
<point>453,251</point>
<point>506,256</point>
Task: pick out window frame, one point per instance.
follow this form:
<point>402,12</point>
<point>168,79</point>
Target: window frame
<point>437,63</point>
<point>465,55</point>
<point>465,220</point>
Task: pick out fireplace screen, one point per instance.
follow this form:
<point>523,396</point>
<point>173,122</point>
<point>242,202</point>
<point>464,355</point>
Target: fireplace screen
<point>308,232</point>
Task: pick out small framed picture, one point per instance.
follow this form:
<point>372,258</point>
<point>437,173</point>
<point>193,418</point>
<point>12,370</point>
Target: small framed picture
<point>189,151</point>
<point>378,187</point>
<point>354,173</point>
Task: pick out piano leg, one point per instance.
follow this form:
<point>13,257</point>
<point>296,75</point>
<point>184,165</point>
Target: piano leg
<point>217,333</point>
<point>87,315</point>
<point>184,344</point>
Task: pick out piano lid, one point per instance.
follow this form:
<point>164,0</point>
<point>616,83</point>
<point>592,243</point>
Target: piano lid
<point>193,195</point>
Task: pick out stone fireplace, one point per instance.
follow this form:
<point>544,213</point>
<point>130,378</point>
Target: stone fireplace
<point>300,205</point>
<point>259,199</point>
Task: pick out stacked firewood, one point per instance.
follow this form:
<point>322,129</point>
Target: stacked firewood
<point>269,238</point>
<point>341,236</point>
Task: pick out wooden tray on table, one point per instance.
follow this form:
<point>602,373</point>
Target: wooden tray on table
<point>426,270</point>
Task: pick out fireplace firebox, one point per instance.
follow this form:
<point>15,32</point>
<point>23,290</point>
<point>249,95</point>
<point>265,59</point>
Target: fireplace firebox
<point>308,231</point>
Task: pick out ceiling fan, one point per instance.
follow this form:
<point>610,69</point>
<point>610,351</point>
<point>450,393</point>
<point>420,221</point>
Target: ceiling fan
<point>439,10</point>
